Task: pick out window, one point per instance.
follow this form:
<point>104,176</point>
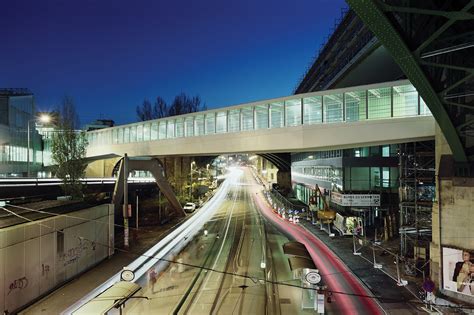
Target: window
<point>379,105</point>
<point>261,113</point>
<point>210,123</point>
<point>386,151</point>
<point>179,128</point>
<point>333,108</point>
<point>293,112</point>
<point>312,110</point>
<point>154,131</point>
<point>189,122</point>
<point>170,125</point>
<point>276,115</point>
<point>234,120</point>
<point>405,101</point>
<point>221,122</point>
<point>355,105</point>
<point>247,118</point>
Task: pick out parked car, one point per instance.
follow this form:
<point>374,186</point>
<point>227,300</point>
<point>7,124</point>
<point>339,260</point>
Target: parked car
<point>189,207</point>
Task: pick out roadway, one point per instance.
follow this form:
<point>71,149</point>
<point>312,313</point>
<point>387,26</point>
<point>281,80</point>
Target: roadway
<point>220,272</point>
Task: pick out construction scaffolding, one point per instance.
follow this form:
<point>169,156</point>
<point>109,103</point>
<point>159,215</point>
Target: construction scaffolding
<point>417,192</point>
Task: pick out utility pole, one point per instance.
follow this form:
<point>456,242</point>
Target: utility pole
<point>125,201</point>
<point>136,208</point>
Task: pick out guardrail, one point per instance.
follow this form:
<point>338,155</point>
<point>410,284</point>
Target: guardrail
<point>32,182</point>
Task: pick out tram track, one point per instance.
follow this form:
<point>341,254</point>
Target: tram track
<point>199,285</point>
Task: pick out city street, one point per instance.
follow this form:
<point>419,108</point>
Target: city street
<point>220,271</point>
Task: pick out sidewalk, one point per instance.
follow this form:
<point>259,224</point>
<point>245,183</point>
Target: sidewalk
<point>72,291</point>
<point>382,282</point>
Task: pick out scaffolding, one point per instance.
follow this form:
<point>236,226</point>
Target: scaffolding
<point>417,191</point>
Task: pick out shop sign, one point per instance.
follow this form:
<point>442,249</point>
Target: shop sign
<point>356,200</point>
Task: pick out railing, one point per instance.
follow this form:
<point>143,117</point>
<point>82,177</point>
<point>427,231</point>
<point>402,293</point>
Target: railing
<point>371,102</point>
<point>35,182</point>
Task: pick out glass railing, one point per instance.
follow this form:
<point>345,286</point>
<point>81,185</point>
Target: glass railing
<point>382,101</point>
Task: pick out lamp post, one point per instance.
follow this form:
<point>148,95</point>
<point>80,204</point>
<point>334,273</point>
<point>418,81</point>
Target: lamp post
<point>44,119</point>
<point>191,186</point>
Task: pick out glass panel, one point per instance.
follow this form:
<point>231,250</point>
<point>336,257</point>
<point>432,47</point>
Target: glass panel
<point>357,178</point>
<point>146,132</point>
<point>133,133</point>
<point>375,177</point>
<point>126,135</point>
<point>189,121</point>
<point>355,105</point>
<point>405,101</point>
<point>221,123</point>
<point>385,176</point>
<point>312,110</point>
<point>179,128</point>
<point>114,136</point>
<point>379,103</point>
<point>140,133</point>
<point>332,108</point>
<point>424,110</point>
<point>120,135</point>
<point>162,130</point>
<point>154,131</point>
<point>261,113</point>
<point>276,115</point>
<point>247,118</point>
<point>210,123</point>
<point>293,112</point>
<point>199,125</point>
<point>170,129</point>
<point>234,120</point>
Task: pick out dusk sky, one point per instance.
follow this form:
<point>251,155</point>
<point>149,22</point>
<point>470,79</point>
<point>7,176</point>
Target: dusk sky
<point>110,55</point>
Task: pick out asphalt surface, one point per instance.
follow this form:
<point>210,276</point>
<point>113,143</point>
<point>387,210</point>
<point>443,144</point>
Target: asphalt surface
<point>221,272</point>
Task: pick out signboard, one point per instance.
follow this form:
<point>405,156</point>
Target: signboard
<point>458,270</point>
<point>319,303</point>
<point>356,200</point>
<point>313,277</point>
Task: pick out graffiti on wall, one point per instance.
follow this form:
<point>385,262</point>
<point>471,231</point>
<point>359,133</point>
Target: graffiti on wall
<point>18,284</point>
<point>73,254</point>
<point>44,270</point>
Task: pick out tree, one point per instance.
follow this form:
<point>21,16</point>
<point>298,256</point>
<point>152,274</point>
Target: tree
<point>182,104</point>
<point>68,149</point>
<point>160,108</point>
<point>145,111</point>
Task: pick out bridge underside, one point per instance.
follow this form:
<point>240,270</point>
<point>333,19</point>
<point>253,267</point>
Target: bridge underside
<point>432,42</point>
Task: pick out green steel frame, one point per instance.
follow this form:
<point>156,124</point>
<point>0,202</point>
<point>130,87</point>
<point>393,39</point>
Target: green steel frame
<point>376,15</point>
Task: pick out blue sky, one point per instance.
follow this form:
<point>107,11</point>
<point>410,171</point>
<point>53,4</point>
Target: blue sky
<point>110,55</point>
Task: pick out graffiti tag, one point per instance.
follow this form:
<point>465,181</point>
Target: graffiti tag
<point>73,254</point>
<point>19,284</point>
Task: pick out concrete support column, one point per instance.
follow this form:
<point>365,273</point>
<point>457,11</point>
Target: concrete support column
<point>452,210</point>
<point>284,180</point>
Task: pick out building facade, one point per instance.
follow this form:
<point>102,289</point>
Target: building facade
<point>17,111</point>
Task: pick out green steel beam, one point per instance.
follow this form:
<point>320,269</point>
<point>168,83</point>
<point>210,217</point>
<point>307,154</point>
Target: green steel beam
<point>379,24</point>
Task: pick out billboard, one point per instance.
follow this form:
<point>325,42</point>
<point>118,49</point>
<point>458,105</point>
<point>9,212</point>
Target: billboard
<point>458,270</point>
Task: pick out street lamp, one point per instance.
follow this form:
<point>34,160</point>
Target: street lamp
<point>44,118</point>
<point>191,186</point>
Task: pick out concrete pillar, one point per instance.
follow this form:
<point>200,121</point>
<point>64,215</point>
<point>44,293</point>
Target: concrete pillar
<point>284,181</point>
<point>451,218</point>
